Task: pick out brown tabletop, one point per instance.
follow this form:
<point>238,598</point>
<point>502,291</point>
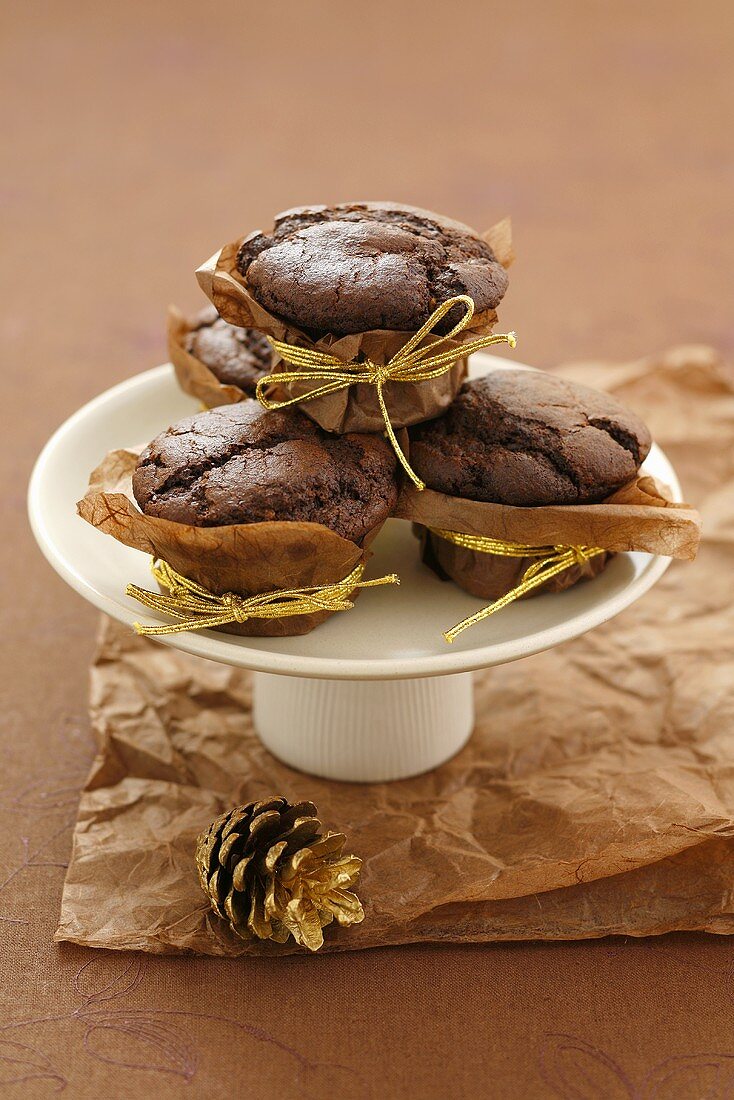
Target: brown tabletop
<point>143,136</point>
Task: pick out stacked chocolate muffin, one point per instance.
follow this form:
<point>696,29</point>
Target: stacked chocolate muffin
<point>241,464</point>
<point>525,439</point>
<point>360,266</point>
<point>529,439</point>
<point>354,282</point>
<point>236,356</point>
<point>216,362</point>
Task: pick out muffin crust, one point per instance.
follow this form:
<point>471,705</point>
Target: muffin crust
<point>530,438</point>
<point>241,464</point>
<point>236,356</point>
<point>361,266</point>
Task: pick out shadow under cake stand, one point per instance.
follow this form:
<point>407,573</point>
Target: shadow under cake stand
<point>374,693</point>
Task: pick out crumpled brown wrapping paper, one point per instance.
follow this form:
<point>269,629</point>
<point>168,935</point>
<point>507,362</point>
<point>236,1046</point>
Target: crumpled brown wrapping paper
<point>355,409</point>
<point>640,516</point>
<point>192,375</point>
<point>596,795</point>
<point>246,558</point>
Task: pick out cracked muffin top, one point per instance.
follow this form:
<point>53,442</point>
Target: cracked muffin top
<point>530,438</point>
<point>242,464</point>
<point>236,356</point>
<point>362,266</point>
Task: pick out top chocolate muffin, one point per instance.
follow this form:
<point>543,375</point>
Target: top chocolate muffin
<point>361,266</point>
<point>236,356</point>
<point>530,438</point>
<point>240,464</point>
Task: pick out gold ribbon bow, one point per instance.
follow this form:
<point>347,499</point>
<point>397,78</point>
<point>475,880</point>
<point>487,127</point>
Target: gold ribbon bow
<point>410,364</point>
<point>200,609</point>
<point>552,560</point>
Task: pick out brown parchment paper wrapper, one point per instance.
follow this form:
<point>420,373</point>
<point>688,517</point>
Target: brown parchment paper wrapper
<point>355,409</point>
<point>595,797</point>
<point>246,558</point>
<point>490,576</point>
<point>192,375</point>
<point>640,516</point>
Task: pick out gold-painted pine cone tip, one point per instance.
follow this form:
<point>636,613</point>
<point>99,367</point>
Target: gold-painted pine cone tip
<point>268,870</point>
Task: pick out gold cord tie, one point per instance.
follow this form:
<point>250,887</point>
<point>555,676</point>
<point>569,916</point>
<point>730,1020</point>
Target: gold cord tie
<point>551,560</point>
<point>200,609</point>
<point>410,364</point>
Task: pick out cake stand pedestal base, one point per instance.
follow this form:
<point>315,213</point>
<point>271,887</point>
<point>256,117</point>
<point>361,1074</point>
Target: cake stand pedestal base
<point>363,731</point>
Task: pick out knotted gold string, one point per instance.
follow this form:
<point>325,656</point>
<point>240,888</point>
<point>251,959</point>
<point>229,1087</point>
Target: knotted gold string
<point>410,364</point>
<point>552,560</point>
<point>200,609</point>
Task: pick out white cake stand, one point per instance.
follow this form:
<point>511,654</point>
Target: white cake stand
<point>374,693</point>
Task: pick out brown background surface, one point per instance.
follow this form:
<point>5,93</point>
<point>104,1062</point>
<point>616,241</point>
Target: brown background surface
<point>142,136</point>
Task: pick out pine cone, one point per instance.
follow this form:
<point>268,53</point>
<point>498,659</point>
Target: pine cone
<point>267,869</point>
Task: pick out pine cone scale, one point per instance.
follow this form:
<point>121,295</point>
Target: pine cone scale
<point>273,855</point>
<point>214,891</point>
<point>304,830</point>
<point>305,923</point>
<point>240,871</point>
<point>261,828</point>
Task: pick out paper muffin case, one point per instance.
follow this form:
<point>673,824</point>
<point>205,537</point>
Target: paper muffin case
<point>490,576</point>
<point>193,376</point>
<point>245,558</point>
<point>640,516</point>
<point>355,409</point>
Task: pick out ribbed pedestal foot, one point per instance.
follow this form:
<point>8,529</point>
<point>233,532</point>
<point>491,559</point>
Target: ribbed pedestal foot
<point>363,731</point>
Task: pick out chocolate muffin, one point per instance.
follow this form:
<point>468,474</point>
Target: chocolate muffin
<point>241,464</point>
<point>530,438</point>
<point>361,266</point>
<point>237,356</point>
